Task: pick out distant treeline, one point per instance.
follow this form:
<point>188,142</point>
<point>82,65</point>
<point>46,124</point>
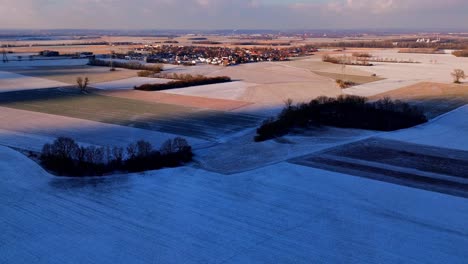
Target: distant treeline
<point>398,44</point>
<point>58,44</point>
<point>64,157</point>
<point>345,112</point>
<point>186,82</point>
<point>254,43</point>
<point>207,42</point>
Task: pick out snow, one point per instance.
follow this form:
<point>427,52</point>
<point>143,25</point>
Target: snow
<point>16,82</point>
<point>283,213</point>
<point>447,131</point>
<point>129,83</point>
<point>241,153</point>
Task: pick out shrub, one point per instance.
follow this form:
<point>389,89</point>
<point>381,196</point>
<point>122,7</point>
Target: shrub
<point>344,84</point>
<point>460,53</point>
<point>362,55</point>
<point>65,157</point>
<point>328,58</point>
<point>82,83</point>
<point>345,112</point>
<point>145,73</point>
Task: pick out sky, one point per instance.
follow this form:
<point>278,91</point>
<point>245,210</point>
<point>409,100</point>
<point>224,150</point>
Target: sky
<point>233,14</point>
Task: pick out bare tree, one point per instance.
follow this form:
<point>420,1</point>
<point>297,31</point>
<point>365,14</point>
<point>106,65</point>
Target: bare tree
<point>458,75</point>
<point>82,83</point>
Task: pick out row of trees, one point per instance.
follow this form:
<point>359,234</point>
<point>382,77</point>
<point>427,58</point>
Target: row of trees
<point>347,60</point>
<point>345,112</point>
<point>65,157</point>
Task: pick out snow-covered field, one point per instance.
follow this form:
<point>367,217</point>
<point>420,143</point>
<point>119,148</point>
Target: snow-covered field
<point>242,153</point>
<point>240,201</point>
<point>16,82</point>
<point>433,68</point>
<point>278,214</point>
<point>447,131</point>
<point>268,85</point>
<point>228,91</point>
<point>31,130</point>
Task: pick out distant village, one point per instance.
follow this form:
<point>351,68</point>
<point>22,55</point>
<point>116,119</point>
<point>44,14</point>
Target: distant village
<point>225,56</point>
<point>193,55</point>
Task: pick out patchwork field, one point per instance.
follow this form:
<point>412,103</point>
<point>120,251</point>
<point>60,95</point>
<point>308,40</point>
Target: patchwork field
<point>31,130</point>
<point>436,169</point>
<point>177,99</point>
<point>433,68</point>
<point>294,199</point>
<point>278,214</point>
<point>167,118</point>
<point>69,74</point>
<point>265,84</point>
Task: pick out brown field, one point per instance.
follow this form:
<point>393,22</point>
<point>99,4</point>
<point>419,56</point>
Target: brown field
<point>176,99</point>
<point>434,98</point>
<point>421,50</point>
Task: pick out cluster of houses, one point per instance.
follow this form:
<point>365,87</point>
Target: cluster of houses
<point>428,40</point>
<point>192,55</point>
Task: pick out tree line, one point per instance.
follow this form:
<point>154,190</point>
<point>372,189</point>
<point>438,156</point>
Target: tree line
<point>64,157</point>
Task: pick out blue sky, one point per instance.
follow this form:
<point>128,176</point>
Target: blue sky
<point>233,14</point>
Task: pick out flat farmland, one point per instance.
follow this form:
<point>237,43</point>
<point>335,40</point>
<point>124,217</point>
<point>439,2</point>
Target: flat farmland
<point>68,74</point>
<point>178,99</point>
<point>179,120</point>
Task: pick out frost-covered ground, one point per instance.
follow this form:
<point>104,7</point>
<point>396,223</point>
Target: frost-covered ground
<point>278,214</point>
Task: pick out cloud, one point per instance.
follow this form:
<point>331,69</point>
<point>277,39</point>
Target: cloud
<point>215,14</point>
